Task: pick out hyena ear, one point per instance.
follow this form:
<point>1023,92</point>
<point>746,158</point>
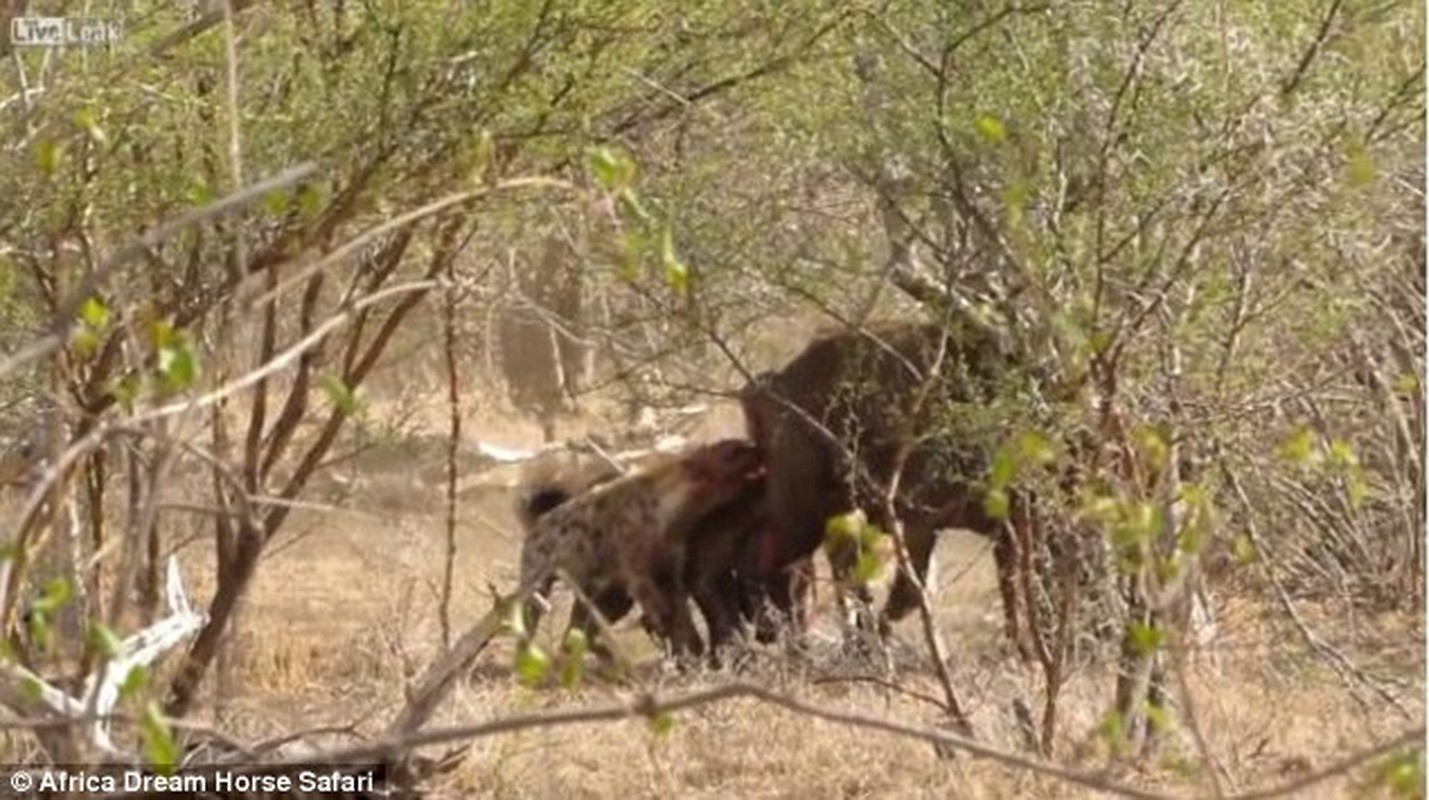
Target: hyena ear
<point>538,503</point>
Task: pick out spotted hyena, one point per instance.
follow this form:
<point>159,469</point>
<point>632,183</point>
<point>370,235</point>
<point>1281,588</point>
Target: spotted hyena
<point>626,540</point>
<point>723,554</point>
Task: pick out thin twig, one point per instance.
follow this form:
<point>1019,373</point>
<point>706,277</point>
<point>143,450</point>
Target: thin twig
<point>66,318</point>
<point>453,442</point>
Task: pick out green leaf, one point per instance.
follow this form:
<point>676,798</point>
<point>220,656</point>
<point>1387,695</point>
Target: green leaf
<point>532,664</point>
<point>844,527</point>
<point>601,162</point>
<point>574,648</point>
<point>48,155</point>
<point>1144,639</point>
<point>1112,730</point>
<point>1405,383</point>
<point>200,194</point>
<point>676,274</point>
<point>310,201</point>
<point>661,723</point>
<point>1403,773</point>
<point>125,391</point>
<point>159,745</point>
<point>1359,165</point>
<point>482,150</point>
<point>1243,549</point>
<point>338,392</point>
<point>178,366</point>
<point>631,206</point>
<point>1356,489</point>
<point>1153,446</point>
<point>1342,454</point>
<point>1014,199</point>
<point>571,672</point>
<point>990,128</point>
<point>995,504</point>
<point>513,621</point>
<point>30,686</point>
<point>1003,468</point>
<point>86,121</point>
<point>1299,448</point>
<point>94,313</point>
<point>867,567</point>
<point>41,633</point>
<point>84,341</point>
<point>277,202</point>
<point>134,682</point>
<point>56,594</point>
<point>1036,448</point>
<point>102,640</point>
<point>612,170</point>
<point>162,334</point>
<point>1167,568</point>
<point>870,536</point>
<point>1158,716</point>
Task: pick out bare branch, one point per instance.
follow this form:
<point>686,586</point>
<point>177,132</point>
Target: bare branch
<point>65,317</point>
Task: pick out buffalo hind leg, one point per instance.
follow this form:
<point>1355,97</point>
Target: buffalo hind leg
<point>1007,552</point>
<point>789,596</point>
<point>903,597</point>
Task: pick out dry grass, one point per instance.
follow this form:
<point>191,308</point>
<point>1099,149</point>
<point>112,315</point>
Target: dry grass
<point>343,613</point>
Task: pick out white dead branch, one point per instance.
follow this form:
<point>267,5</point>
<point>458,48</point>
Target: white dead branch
<point>506,463</point>
<point>502,455</point>
<point>28,695</point>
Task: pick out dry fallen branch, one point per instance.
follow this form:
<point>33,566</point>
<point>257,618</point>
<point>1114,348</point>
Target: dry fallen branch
<point>25,692</point>
<point>648,706</point>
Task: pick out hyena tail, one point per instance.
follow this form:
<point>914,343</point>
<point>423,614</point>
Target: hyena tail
<point>551,479</point>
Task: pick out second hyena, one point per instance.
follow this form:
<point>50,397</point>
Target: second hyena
<point>626,539</point>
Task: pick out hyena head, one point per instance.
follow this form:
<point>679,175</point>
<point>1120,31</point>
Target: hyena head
<point>710,476</point>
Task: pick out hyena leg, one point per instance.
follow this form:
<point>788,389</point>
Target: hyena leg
<point>792,596</point>
<point>660,590</point>
<point>717,598</point>
<point>612,604</point>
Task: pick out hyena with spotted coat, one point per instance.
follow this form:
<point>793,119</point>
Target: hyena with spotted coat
<point>627,539</point>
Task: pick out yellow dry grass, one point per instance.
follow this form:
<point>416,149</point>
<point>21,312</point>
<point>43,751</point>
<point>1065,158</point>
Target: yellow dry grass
<point>343,614</point>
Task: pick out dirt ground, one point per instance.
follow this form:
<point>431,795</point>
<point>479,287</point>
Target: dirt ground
<point>343,614</point>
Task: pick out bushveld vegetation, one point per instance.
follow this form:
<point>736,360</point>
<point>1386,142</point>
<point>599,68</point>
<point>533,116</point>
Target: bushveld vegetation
<point>269,271</point>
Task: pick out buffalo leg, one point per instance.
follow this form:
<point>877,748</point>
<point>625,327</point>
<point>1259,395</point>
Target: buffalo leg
<point>903,597</point>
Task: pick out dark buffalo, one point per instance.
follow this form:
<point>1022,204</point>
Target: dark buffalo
<point>870,391</point>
